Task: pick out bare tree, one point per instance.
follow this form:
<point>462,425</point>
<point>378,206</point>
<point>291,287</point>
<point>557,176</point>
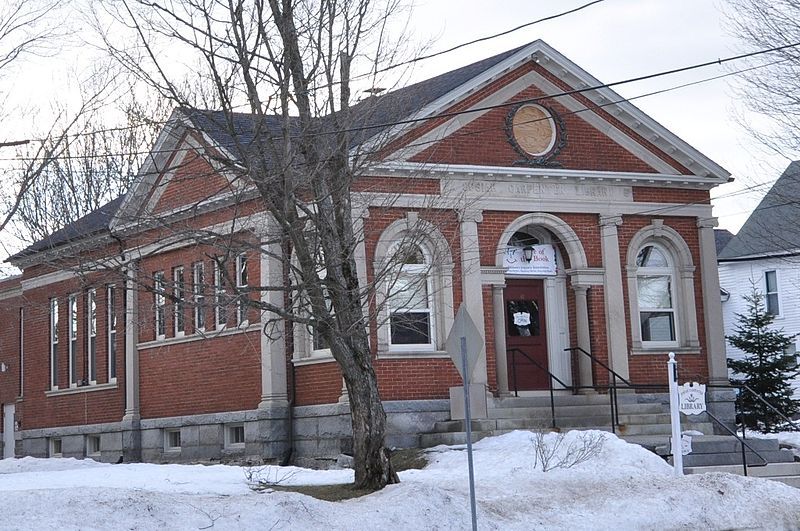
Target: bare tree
<point>772,89</point>
<point>288,66</point>
<point>91,161</point>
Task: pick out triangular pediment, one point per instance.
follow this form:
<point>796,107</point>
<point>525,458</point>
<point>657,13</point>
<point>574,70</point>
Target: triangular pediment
<point>601,131</point>
<point>178,176</point>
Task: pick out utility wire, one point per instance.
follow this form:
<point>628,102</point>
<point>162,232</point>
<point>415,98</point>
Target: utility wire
<point>360,76</point>
<point>486,38</point>
<point>452,114</point>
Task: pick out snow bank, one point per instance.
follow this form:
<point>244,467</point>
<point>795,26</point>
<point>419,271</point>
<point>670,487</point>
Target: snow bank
<point>624,487</point>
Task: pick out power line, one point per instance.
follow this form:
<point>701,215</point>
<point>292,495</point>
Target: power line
<point>486,38</point>
<point>360,76</point>
<point>496,106</point>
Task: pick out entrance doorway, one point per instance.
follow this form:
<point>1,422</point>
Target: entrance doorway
<point>8,431</point>
<point>526,335</point>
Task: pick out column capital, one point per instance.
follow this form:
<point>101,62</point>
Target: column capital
<point>707,223</point>
<point>580,288</point>
<point>470,214</point>
<point>615,220</point>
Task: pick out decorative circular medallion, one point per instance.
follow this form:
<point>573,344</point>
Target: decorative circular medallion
<point>534,130</point>
<point>536,133</point>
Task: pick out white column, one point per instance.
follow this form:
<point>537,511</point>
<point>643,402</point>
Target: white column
<point>273,339</point>
<point>471,286</point>
<point>712,304</point>
<point>499,322</point>
<point>614,300</point>
<point>131,341</point>
<point>583,333</point>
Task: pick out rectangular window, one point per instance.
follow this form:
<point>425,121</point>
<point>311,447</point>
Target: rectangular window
<point>198,293</point>
<point>220,298</point>
<point>773,305</point>
<point>111,302</point>
<point>656,312</point>
<point>93,445</point>
<point>160,303</point>
<point>72,312</point>
<point>179,307</point>
<point>53,343</point>
<point>234,436</point>
<point>241,288</point>
<point>172,440</point>
<point>91,331</point>
<point>409,309</point>
<point>55,447</point>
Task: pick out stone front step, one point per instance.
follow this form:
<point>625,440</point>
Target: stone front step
<point>725,450</point>
<point>451,432</point>
<point>648,424</point>
<point>786,473</point>
<point>601,412</point>
<point>623,397</point>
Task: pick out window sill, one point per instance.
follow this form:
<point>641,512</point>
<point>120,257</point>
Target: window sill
<point>663,351</point>
<point>197,337</point>
<point>83,389</point>
<point>405,354</point>
<point>313,360</point>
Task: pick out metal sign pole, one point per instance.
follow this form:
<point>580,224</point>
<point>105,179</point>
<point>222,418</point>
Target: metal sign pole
<point>468,423</point>
<point>675,415</point>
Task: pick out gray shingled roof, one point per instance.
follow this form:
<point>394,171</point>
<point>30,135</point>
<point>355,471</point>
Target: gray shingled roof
<point>235,131</point>
<point>721,239</point>
<point>369,116</point>
<point>92,223</point>
<point>773,228</point>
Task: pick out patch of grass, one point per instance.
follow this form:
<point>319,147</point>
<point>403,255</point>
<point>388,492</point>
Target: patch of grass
<point>325,492</point>
<point>405,459</point>
<point>409,459</point>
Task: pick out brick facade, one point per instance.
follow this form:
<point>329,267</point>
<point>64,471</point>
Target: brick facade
<point>218,371</point>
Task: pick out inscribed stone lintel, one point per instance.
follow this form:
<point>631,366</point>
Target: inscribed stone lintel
<point>538,190</point>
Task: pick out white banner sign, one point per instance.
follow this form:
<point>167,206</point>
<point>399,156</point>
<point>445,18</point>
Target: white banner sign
<point>692,398</point>
<point>542,260</point>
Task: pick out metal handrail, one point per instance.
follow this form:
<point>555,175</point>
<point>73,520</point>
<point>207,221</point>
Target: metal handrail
<point>742,444</point>
<point>773,408</point>
<point>613,378</point>
<point>599,362</point>
<point>551,377</point>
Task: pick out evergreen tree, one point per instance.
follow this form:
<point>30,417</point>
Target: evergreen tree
<point>767,367</point>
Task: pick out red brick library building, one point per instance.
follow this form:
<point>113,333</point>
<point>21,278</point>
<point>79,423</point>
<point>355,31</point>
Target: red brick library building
<point>561,220</point>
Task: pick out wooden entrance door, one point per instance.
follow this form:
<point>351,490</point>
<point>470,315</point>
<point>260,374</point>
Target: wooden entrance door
<point>526,332</point>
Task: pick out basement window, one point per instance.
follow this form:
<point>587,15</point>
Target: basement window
<point>92,445</point>
<point>234,436</point>
<point>55,447</point>
<point>172,440</point>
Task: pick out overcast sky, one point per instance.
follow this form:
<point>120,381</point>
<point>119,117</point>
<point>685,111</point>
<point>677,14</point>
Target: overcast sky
<point>613,40</point>
<point>621,39</point>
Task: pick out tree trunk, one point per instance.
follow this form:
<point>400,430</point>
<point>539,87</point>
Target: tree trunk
<point>373,469</point>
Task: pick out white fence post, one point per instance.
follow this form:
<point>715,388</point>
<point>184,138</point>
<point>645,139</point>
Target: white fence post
<point>675,415</point>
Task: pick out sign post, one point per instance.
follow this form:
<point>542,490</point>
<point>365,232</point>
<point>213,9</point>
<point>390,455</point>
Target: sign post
<point>675,416</point>
<point>464,346</point>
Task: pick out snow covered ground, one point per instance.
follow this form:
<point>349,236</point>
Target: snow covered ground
<point>624,487</point>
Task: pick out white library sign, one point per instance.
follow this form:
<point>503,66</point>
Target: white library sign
<point>542,260</point>
<point>692,398</point>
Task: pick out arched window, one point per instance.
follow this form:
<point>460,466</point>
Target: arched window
<point>655,281</point>
<point>413,271</point>
<point>409,299</point>
<point>661,291</point>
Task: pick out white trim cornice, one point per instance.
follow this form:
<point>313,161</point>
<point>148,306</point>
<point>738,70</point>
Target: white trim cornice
<point>433,171</point>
